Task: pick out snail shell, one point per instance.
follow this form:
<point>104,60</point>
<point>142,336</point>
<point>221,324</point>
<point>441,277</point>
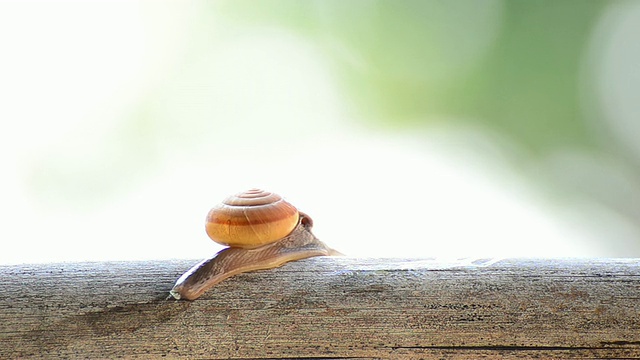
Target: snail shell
<point>251,219</point>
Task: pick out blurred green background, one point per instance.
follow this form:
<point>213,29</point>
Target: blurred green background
<point>405,128</point>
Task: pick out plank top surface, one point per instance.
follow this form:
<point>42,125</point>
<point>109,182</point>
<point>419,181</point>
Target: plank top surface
<point>336,307</point>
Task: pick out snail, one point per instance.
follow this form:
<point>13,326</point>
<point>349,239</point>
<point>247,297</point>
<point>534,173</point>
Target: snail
<point>262,230</point>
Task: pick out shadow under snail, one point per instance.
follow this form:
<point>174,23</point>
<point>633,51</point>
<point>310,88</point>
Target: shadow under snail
<point>262,230</point>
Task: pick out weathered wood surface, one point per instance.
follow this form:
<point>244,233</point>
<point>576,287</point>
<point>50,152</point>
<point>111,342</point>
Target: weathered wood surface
<point>326,308</point>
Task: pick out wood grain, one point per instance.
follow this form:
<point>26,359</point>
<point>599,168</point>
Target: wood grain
<point>327,308</point>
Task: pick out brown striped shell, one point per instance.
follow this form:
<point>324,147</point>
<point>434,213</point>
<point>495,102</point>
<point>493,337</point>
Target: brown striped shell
<point>250,219</point>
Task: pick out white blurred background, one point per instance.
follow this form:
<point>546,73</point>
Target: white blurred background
<point>123,122</point>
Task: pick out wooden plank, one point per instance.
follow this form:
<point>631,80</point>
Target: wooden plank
<point>327,308</point>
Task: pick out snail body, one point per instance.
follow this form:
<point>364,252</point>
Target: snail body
<point>262,230</point>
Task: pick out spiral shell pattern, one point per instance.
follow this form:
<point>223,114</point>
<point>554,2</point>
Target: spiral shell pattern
<point>251,219</point>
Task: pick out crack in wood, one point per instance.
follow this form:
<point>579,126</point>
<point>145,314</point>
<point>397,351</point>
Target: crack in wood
<point>506,347</point>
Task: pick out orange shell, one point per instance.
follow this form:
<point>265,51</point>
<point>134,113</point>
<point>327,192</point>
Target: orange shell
<point>251,219</point>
